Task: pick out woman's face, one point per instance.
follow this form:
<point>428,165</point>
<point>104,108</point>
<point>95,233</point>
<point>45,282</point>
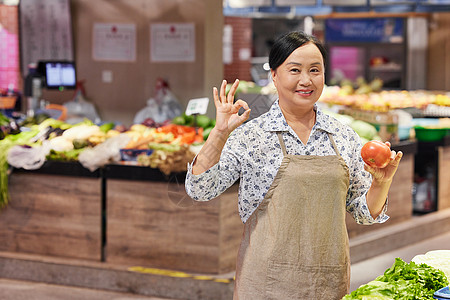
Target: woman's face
<point>301,77</point>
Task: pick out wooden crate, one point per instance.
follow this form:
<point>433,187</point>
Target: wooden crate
<point>155,224</point>
<point>444,177</point>
<point>52,215</point>
<point>400,199</point>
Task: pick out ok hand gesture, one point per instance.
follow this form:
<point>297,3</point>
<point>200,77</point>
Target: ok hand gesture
<point>227,117</point>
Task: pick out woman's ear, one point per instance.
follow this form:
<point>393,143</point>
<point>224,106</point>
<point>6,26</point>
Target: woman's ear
<point>273,74</point>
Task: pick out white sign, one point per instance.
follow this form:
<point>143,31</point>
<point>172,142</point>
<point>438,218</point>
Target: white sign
<point>197,106</point>
<point>114,42</point>
<point>172,42</point>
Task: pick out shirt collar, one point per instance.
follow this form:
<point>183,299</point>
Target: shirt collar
<point>274,120</point>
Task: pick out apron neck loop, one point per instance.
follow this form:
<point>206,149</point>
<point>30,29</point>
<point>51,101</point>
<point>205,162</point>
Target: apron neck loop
<point>283,147</point>
<point>334,144</point>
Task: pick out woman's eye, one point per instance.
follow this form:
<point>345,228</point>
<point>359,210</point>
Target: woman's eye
<point>315,70</point>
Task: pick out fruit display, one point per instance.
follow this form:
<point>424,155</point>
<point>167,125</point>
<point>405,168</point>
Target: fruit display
<point>383,101</point>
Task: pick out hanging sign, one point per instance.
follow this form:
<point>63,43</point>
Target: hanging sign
<point>364,30</point>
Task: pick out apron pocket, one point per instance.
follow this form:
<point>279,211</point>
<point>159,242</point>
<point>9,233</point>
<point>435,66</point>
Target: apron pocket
<point>292,281</point>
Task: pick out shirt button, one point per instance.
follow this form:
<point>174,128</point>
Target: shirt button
<point>308,153</point>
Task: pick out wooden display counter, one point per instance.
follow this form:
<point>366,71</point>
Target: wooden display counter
<point>444,174</point>
<point>444,177</point>
<point>155,224</point>
<point>52,215</point>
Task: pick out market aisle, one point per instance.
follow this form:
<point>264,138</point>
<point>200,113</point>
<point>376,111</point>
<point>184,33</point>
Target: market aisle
<point>365,271</point>
<point>362,273</point>
<point>19,290</point>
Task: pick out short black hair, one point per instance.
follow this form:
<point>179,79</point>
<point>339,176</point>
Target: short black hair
<point>287,43</point>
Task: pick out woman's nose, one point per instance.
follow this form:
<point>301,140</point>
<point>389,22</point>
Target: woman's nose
<point>304,79</point>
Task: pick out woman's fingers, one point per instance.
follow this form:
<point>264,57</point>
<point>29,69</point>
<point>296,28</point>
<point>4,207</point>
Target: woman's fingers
<point>223,88</point>
<point>241,103</point>
<point>245,115</point>
<point>216,95</point>
<point>230,97</point>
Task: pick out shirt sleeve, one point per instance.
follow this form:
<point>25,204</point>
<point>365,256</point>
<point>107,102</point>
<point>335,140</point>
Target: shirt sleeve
<point>214,181</point>
<point>360,182</point>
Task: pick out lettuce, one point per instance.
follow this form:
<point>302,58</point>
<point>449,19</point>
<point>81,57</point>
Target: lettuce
<point>402,281</point>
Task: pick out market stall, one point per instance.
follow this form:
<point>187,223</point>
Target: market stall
<point>116,194</point>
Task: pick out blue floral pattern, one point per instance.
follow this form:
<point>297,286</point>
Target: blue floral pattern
<point>253,155</point>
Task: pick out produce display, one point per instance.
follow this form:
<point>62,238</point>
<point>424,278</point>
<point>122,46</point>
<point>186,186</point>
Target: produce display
<point>366,131</point>
<point>414,281</point>
<point>168,146</point>
<point>383,101</point>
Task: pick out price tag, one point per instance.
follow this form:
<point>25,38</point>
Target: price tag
<point>197,106</point>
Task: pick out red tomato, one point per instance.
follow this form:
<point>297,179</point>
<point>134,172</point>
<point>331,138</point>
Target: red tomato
<point>376,154</point>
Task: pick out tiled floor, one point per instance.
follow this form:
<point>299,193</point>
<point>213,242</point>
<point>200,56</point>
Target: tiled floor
<point>362,273</point>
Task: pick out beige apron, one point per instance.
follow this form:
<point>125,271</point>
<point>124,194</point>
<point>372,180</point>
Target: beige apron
<point>295,245</point>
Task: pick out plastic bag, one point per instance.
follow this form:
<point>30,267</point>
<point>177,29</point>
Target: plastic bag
<point>79,108</point>
<point>160,108</point>
<point>104,153</point>
<point>28,158</point>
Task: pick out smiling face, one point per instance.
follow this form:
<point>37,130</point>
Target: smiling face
<point>300,78</point>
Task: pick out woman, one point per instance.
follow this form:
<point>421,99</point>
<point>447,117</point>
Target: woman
<point>300,170</point>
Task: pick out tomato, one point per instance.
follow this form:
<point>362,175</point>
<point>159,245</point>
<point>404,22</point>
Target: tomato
<point>376,154</point>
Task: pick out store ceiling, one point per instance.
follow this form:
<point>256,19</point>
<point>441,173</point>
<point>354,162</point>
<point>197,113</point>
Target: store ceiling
<point>256,8</point>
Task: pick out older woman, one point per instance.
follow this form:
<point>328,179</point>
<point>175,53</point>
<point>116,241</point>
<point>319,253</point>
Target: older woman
<point>300,170</point>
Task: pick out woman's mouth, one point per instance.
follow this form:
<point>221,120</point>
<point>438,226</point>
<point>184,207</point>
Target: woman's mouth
<point>304,93</point>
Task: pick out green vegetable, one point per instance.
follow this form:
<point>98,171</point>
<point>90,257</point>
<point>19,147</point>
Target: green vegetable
<point>107,127</point>
<point>164,147</point>
<point>402,281</point>
<point>364,129</point>
<point>206,132</point>
<point>188,120</point>
<point>4,120</point>
<point>203,121</point>
<point>80,143</point>
<point>22,138</point>
<point>178,120</point>
<point>69,155</point>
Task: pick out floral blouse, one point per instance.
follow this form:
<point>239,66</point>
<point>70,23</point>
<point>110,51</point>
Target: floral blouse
<point>253,155</point>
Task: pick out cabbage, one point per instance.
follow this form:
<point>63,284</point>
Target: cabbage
<point>364,129</point>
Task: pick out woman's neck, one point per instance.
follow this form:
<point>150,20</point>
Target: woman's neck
<point>300,120</point>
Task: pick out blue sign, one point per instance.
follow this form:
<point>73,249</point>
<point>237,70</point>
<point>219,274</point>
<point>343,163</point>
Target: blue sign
<point>364,30</point>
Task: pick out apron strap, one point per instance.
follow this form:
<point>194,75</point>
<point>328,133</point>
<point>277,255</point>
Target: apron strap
<point>283,147</point>
<point>334,144</point>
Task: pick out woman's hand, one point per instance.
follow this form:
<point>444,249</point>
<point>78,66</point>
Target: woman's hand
<point>227,117</point>
<point>227,120</point>
<point>387,173</point>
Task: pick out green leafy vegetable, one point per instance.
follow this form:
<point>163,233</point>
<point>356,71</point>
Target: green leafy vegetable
<point>402,281</point>
<point>4,120</point>
<point>22,138</point>
<point>69,155</point>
